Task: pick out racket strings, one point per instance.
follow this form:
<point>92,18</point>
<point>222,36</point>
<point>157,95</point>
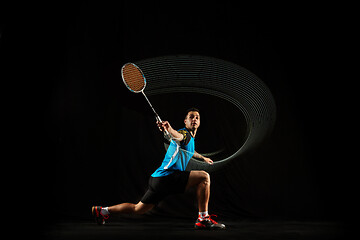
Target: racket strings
<point>133,78</point>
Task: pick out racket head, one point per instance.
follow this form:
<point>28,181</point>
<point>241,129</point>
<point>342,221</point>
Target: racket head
<point>133,78</point>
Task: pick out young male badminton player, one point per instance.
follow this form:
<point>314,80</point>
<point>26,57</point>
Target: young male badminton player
<point>171,177</point>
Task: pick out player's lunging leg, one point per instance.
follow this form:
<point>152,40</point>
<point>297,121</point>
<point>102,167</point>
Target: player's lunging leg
<point>102,213</point>
<point>139,208</point>
<point>201,180</point>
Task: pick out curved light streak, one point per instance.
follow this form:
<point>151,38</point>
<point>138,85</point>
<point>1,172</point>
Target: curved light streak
<point>219,78</point>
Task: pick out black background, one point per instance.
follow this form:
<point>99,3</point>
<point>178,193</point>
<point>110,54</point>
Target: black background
<point>80,138</point>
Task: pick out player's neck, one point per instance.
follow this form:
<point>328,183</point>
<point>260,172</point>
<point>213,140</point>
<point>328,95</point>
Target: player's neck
<point>192,132</point>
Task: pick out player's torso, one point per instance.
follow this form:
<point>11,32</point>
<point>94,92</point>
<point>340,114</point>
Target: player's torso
<point>177,155</point>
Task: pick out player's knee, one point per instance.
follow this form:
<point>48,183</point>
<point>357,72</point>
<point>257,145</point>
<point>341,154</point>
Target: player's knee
<point>140,208</point>
<point>205,177</point>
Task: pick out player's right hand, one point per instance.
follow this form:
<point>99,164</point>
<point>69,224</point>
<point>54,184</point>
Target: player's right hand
<point>163,125</point>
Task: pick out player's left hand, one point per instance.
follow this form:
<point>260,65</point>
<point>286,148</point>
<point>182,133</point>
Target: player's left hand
<point>208,160</point>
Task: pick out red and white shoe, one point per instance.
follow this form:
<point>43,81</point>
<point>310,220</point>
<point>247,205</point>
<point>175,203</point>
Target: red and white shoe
<point>208,223</point>
<point>99,217</point>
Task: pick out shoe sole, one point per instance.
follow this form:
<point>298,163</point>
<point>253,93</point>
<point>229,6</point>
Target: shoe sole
<point>210,228</point>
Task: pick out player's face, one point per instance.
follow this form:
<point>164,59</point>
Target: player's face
<point>192,120</point>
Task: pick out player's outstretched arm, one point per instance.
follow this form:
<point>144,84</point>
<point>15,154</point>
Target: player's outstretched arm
<point>175,134</point>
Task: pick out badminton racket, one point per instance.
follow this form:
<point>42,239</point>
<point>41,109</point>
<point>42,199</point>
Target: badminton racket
<point>134,79</point>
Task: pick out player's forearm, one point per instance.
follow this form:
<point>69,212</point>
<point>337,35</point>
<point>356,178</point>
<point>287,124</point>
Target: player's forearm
<point>175,134</point>
<point>198,155</point>
<point>205,159</point>
<point>165,126</point>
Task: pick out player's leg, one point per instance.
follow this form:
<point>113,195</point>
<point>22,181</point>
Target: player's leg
<point>201,180</point>
<point>131,208</point>
<point>102,213</point>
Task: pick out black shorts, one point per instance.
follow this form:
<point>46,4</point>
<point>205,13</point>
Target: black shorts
<point>160,187</point>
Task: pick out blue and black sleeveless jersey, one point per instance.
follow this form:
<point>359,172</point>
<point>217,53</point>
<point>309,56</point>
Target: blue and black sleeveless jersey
<point>177,155</point>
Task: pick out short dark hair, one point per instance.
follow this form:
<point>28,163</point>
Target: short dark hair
<point>192,110</point>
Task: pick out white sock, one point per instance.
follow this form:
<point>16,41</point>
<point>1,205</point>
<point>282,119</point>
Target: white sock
<point>104,211</point>
<point>203,214</point>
